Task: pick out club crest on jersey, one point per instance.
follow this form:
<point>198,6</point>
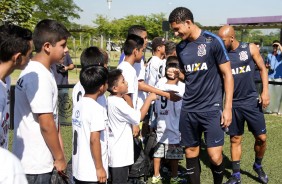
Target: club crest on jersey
<point>243,55</point>
<point>202,50</point>
<point>75,121</point>
<point>241,69</point>
<point>196,67</point>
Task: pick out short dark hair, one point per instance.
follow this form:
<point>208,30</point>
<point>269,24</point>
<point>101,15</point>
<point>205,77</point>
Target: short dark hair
<point>136,30</point>
<point>49,31</point>
<point>14,39</point>
<point>170,47</point>
<point>180,14</point>
<point>172,59</point>
<point>92,78</point>
<point>113,79</point>
<point>132,42</point>
<point>93,56</point>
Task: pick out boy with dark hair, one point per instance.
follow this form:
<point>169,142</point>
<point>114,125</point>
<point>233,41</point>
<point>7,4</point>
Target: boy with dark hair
<point>121,117</point>
<point>90,56</point>
<point>15,49</point>
<point>205,68</point>
<point>154,67</point>
<point>36,115</point>
<point>89,128</point>
<point>133,50</point>
<point>167,129</point>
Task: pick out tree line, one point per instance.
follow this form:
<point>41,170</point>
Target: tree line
<point>27,13</point>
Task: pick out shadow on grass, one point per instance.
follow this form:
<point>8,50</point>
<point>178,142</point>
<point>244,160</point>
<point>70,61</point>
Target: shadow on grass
<point>204,157</point>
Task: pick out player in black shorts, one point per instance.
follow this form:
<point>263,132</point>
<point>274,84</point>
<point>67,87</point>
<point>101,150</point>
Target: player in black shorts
<point>246,105</point>
<point>205,67</point>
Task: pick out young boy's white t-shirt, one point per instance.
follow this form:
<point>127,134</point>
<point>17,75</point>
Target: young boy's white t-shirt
<point>78,92</point>
<point>35,92</point>
<point>121,116</point>
<point>130,76</point>
<point>4,112</point>
<point>11,169</point>
<point>154,71</point>
<point>87,117</point>
<point>168,114</point>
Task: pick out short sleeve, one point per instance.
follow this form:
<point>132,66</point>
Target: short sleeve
<point>129,78</point>
<point>68,60</point>
<point>39,92</point>
<point>96,119</point>
<point>126,113</point>
<point>219,51</point>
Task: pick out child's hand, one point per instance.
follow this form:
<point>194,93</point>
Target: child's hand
<point>135,130</point>
<point>101,175</point>
<point>60,164</point>
<point>153,96</point>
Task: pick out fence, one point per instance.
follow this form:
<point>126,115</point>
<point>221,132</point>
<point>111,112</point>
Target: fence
<point>65,101</point>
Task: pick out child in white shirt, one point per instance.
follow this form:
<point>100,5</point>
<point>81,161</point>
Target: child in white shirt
<point>15,49</point>
<point>121,117</point>
<point>90,155</point>
<point>168,135</point>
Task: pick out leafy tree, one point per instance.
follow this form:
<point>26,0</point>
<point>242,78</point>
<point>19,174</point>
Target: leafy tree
<point>28,12</point>
<point>17,12</point>
<point>60,10</point>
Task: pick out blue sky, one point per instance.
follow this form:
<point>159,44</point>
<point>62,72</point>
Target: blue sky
<point>206,12</point>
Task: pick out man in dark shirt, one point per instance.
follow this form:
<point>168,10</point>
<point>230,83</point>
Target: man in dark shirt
<point>205,66</point>
<point>61,70</point>
<point>246,106</point>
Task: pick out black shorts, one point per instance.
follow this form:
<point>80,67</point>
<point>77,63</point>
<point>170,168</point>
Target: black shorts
<point>192,124</point>
<point>254,117</point>
<point>119,175</point>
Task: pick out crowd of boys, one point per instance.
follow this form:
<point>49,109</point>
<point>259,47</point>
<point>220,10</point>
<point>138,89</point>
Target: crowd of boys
<point>178,94</point>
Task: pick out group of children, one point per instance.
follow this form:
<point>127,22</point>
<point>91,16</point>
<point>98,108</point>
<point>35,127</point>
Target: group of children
<point>120,116</point>
<point>103,128</point>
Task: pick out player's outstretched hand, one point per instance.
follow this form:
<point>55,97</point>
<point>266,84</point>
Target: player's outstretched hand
<point>101,175</point>
<point>173,73</point>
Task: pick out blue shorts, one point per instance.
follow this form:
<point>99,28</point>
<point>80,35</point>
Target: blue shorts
<point>254,117</point>
<point>192,124</point>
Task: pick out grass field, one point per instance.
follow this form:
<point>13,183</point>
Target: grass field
<point>272,161</point>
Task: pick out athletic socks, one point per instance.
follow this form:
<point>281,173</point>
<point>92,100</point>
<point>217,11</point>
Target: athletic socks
<point>258,161</point>
<point>236,166</point>
<point>193,170</point>
<point>217,172</point>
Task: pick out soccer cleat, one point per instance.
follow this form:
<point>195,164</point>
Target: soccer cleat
<point>156,179</point>
<point>233,180</point>
<point>261,174</point>
<point>177,180</point>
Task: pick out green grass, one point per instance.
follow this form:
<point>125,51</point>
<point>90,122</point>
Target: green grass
<point>271,162</point>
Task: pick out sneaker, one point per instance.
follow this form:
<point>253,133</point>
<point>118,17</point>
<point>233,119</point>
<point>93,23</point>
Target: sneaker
<point>261,174</point>
<point>233,180</point>
<point>177,180</point>
<point>156,179</point>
